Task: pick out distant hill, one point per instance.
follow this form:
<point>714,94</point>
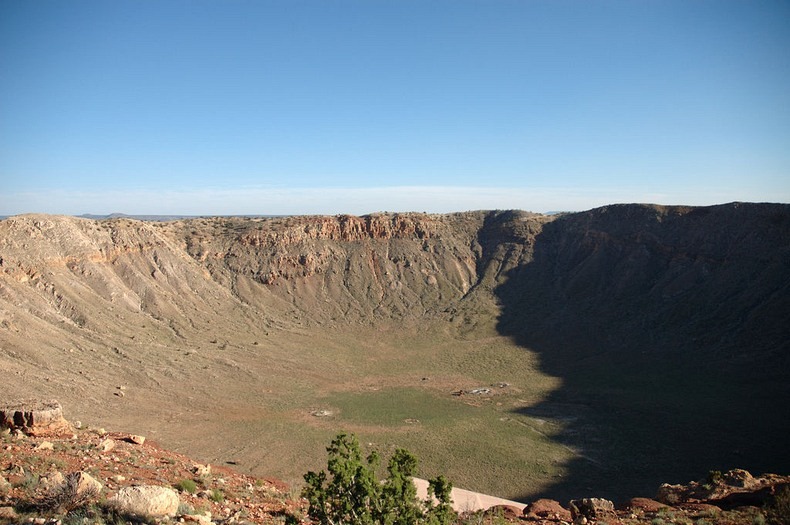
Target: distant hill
<point>156,218</point>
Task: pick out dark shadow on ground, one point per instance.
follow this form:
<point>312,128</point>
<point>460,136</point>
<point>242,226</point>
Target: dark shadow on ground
<point>670,329</point>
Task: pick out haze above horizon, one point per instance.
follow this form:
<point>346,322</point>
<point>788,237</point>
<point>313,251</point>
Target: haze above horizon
<point>264,108</point>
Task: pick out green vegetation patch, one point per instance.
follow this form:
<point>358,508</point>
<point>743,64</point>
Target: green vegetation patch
<point>398,406</point>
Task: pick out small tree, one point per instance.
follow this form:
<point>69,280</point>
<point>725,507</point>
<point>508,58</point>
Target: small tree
<point>399,495</point>
<point>352,495</point>
<point>442,513</point>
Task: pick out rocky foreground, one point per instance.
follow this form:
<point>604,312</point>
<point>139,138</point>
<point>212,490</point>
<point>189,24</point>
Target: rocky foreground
<point>56,472</point>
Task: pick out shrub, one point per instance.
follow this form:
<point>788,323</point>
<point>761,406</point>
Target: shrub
<point>442,513</point>
<point>217,496</point>
<point>714,478</point>
<point>68,496</point>
<point>351,492</point>
<point>186,485</point>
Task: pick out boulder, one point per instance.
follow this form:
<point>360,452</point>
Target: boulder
<point>672,494</point>
<point>75,485</point>
<point>647,505</point>
<point>35,418</point>
<point>137,440</point>
<point>546,509</point>
<point>146,500</point>
<point>591,508</point>
<point>52,481</point>
<point>506,512</point>
<point>201,471</point>
<point>85,483</point>
<point>738,478</point>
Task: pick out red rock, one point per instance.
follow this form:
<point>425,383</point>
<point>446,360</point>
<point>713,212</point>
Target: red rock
<point>547,508</point>
<point>507,512</point>
<point>672,494</point>
<point>35,418</point>
<point>695,509</point>
<point>647,505</point>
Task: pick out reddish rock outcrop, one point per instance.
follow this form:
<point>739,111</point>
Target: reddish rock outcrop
<point>736,488</point>
<point>646,505</point>
<point>35,418</point>
<point>507,512</point>
<point>543,509</point>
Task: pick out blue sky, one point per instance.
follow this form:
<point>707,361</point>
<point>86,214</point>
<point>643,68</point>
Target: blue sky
<point>338,106</point>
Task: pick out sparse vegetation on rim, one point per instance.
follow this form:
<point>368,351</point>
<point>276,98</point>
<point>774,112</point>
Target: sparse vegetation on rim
<point>351,492</point>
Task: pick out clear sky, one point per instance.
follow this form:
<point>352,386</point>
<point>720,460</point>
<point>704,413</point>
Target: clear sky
<point>340,106</point>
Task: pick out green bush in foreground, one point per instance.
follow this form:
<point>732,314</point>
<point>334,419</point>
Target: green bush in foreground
<point>186,485</point>
<point>351,494</point>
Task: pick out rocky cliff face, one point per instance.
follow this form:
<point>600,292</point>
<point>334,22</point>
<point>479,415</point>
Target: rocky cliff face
<point>663,279</point>
<point>712,282</point>
<point>356,269</point>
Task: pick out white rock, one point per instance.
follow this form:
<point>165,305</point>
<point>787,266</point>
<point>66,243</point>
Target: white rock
<point>201,470</point>
<point>52,481</point>
<point>146,500</point>
<point>86,483</point>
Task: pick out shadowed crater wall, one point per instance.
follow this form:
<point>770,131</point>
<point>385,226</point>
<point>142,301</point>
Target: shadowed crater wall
<point>669,327</point>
